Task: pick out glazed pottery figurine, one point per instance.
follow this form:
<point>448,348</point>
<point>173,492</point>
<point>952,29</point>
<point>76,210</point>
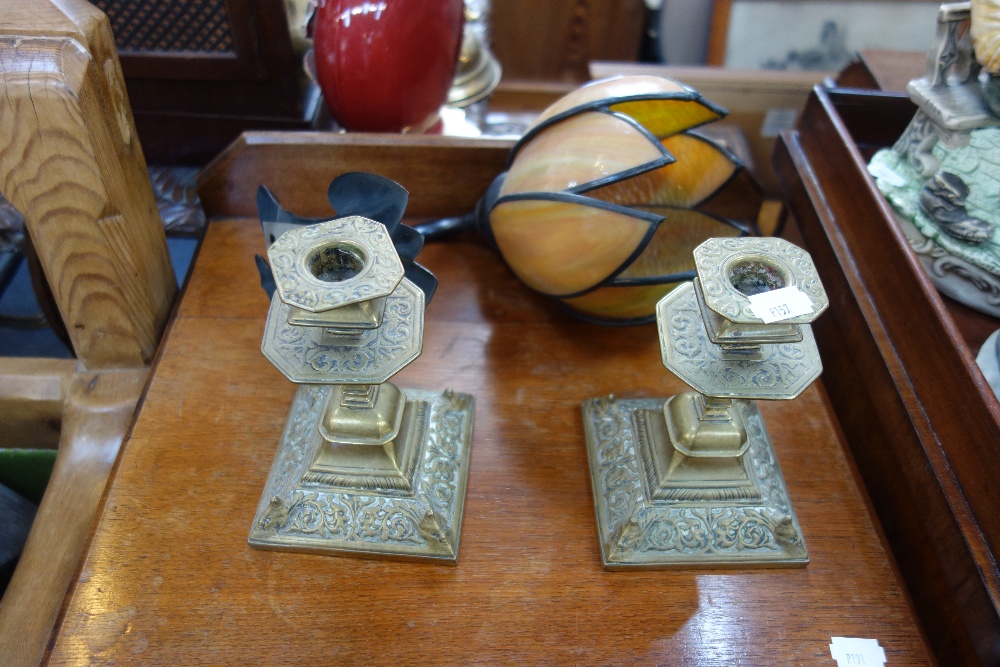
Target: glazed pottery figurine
<point>942,176</point>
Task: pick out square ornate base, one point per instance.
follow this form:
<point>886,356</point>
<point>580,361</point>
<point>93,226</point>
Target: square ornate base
<point>337,514</point>
<point>646,520</point>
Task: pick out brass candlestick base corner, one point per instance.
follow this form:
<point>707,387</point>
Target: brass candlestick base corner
<point>692,480</point>
<point>696,514</point>
<point>401,499</point>
<point>363,468</point>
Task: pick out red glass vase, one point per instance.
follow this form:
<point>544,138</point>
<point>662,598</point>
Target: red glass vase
<point>387,65</point>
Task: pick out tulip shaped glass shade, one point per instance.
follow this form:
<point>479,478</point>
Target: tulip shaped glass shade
<point>609,192</point>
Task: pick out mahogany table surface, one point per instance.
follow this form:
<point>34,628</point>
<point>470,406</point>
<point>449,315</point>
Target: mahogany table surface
<point>170,579</point>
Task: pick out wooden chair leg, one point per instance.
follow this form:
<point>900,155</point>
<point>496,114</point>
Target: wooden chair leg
<point>97,414</point>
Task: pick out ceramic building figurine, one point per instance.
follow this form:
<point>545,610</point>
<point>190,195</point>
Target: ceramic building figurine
<point>942,176</point>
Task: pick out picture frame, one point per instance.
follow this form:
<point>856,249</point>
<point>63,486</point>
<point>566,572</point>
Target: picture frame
<point>755,34</point>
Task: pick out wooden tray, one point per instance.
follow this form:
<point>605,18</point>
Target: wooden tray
<point>444,175</point>
<point>169,577</point>
<point>920,419</point>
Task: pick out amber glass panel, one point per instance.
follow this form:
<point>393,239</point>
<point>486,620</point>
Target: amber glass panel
<point>701,168</point>
<point>609,89</point>
<point>561,248</point>
<point>670,249</point>
<point>579,150</point>
<point>665,118</point>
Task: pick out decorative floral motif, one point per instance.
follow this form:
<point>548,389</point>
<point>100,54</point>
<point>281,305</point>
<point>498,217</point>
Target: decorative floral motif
<point>304,354</point>
<point>714,258</point>
<point>321,518</point>
<point>634,530</point>
<point>379,273</point>
<point>778,372</point>
<point>354,194</point>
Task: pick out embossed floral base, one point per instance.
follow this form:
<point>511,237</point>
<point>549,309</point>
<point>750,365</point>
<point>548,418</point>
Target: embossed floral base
<point>709,529</point>
<point>425,523</point>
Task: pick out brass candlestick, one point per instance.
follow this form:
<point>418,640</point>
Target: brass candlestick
<point>692,480</point>
<point>363,467</point>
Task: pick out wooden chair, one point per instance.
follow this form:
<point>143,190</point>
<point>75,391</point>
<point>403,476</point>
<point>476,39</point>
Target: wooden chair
<point>70,161</point>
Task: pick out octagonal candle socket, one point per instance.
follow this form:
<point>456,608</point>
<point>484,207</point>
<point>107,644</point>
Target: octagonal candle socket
<point>355,473</point>
<point>692,480</point>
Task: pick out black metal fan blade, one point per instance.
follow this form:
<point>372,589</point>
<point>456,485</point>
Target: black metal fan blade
<point>369,195</point>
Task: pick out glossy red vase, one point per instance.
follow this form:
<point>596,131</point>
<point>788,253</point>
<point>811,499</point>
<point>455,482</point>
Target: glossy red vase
<point>387,65</point>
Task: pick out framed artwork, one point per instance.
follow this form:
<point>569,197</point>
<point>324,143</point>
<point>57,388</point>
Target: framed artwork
<point>815,34</point>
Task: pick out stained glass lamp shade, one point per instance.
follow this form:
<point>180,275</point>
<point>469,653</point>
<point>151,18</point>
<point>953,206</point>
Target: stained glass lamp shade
<point>610,190</point>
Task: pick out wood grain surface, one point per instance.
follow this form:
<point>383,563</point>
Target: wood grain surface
<point>170,579</point>
<point>893,70</point>
<point>70,162</point>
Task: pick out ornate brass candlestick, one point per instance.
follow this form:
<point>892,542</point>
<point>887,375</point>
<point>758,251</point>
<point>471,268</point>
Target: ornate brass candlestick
<point>363,467</point>
<point>693,480</point>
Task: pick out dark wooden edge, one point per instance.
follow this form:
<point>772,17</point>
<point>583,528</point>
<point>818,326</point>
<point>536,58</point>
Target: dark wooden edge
<point>445,176</point>
<point>921,422</point>
<point>719,32</point>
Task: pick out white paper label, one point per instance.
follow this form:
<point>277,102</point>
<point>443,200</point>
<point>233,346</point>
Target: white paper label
<point>777,120</point>
<point>854,652</point>
<point>780,304</point>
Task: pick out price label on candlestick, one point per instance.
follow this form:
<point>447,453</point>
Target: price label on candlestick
<point>780,304</point>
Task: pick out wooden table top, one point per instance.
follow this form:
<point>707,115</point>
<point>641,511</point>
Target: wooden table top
<point>169,578</point>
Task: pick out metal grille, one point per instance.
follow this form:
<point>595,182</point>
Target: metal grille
<point>169,25</point>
